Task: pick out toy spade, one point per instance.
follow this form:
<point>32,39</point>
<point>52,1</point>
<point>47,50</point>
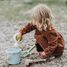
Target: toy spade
<point>27,52</point>
<point>28,61</point>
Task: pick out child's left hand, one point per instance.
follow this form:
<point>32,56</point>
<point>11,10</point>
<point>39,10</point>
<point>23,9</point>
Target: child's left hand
<point>42,54</point>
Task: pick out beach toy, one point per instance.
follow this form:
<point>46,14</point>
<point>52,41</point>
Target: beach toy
<point>13,55</point>
<point>31,61</point>
<point>27,52</point>
<point>24,53</point>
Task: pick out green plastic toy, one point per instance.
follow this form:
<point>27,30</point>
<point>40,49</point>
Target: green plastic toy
<point>27,52</point>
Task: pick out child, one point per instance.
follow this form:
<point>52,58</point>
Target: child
<point>48,41</point>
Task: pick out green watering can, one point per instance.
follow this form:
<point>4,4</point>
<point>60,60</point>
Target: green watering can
<point>26,52</point>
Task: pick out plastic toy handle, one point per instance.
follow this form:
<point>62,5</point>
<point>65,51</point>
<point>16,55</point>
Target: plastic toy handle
<point>31,48</point>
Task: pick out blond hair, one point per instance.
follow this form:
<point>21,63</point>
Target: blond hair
<point>42,14</point>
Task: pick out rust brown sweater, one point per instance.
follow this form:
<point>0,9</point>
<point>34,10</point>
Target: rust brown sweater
<point>51,41</point>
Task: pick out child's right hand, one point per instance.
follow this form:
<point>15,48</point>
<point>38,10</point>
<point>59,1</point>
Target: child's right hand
<point>17,37</point>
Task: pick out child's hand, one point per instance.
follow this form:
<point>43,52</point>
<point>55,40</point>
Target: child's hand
<point>17,37</point>
<point>42,54</point>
